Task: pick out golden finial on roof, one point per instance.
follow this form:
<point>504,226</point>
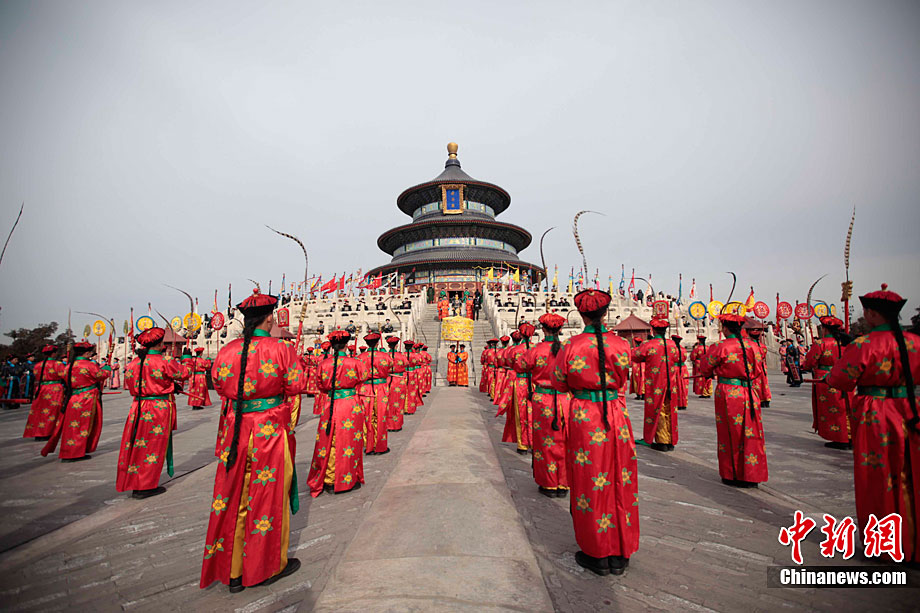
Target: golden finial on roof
<point>452,150</point>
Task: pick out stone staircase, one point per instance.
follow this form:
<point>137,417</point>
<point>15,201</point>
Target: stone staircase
<point>429,328</point>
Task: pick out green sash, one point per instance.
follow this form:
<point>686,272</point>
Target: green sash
<point>595,395</point>
<point>731,381</point>
<point>879,391</point>
<point>260,405</point>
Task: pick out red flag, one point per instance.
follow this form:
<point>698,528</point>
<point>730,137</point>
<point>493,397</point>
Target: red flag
<point>378,282</point>
<point>710,293</point>
<point>329,286</point>
<point>342,282</point>
<point>632,283</point>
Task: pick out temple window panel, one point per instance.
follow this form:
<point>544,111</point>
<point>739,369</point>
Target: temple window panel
<point>455,241</point>
<point>469,205</point>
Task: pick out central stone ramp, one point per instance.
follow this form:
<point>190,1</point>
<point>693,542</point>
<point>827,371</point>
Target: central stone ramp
<point>443,534</point>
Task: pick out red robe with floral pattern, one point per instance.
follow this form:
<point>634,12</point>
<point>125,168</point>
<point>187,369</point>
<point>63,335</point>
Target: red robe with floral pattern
<point>502,372</point>
<point>198,383</point>
<point>146,441</point>
<point>338,456</point>
<point>46,408</point>
<point>398,395</point>
<point>518,428</point>
<point>485,377</point>
<point>702,386</point>
<point>739,428</point>
<point>463,374</point>
<point>762,382</point>
<point>79,429</point>
<point>548,407</point>
<point>830,407</point>
<point>312,361</point>
<point>637,379</point>
<point>601,464</point>
<point>249,524</point>
<point>426,372</point>
<point>886,450</point>
<point>452,367</point>
<point>507,378</point>
<point>659,355</point>
<point>320,400</point>
<point>413,382</point>
<point>683,381</point>
<point>374,394</point>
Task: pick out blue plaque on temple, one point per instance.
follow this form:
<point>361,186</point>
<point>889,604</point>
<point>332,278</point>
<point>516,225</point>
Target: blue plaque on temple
<point>453,200</point>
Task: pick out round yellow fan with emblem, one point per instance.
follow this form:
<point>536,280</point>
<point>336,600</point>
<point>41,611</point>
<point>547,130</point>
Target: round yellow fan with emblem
<point>192,322</point>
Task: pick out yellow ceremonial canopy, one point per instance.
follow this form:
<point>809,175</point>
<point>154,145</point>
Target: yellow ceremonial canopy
<point>457,329</point>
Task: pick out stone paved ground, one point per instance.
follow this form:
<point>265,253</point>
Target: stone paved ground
<point>69,540</point>
<point>112,553</point>
<point>705,546</point>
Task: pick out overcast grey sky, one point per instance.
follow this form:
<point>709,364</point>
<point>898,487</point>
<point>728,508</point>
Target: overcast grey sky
<point>151,141</point>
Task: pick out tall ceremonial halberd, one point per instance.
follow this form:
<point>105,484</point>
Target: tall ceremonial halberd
<point>454,239</point>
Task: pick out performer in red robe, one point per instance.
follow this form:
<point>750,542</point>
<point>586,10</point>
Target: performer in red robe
<point>702,386</point>
<point>637,375</point>
<point>463,374</point>
<point>487,361</point>
<point>198,396</point>
<point>321,401</point>
<point>830,407</point>
<point>313,357</point>
<point>188,360</point>
<point>660,354</point>
<point>49,395</point>
<point>425,370</point>
<point>414,391</point>
<point>883,367</point>
<point>255,488</point>
<point>602,470</point>
<point>443,306</point>
<point>79,426</point>
<point>683,380</point>
<point>761,382</point>
<point>452,366</point>
<point>518,418</point>
<point>550,410</point>
<point>338,456</point>
<point>146,442</point>
<point>398,396</point>
<point>503,397</point>
<point>374,394</point>
<point>501,372</point>
<point>739,428</point>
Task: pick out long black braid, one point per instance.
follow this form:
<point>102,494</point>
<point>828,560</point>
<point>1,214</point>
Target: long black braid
<point>68,384</point>
<point>596,320</point>
<point>529,374</point>
<point>142,354</point>
<point>554,349</point>
<point>336,347</point>
<point>372,345</point>
<point>892,317</point>
<point>41,376</point>
<point>250,324</point>
<point>735,328</point>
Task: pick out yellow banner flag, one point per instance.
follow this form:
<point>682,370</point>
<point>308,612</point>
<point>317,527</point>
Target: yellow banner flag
<point>491,273</point>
